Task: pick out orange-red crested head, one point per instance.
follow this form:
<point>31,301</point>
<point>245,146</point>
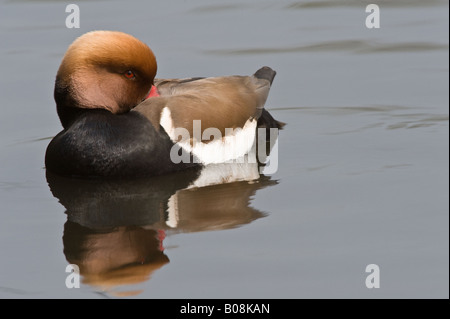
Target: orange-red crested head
<point>105,69</point>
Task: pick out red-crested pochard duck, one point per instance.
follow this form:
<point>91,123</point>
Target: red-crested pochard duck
<point>119,121</point>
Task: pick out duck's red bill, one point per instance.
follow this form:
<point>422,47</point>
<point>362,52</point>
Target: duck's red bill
<point>153,92</point>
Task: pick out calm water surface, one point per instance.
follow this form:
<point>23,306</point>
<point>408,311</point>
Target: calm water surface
<point>362,173</point>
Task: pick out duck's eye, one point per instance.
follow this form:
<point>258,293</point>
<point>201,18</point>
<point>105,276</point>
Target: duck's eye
<point>129,74</point>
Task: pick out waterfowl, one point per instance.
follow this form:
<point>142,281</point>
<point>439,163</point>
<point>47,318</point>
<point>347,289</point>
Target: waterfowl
<point>119,121</point>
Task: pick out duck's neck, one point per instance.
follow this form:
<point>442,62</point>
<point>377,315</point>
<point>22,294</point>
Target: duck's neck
<point>67,106</point>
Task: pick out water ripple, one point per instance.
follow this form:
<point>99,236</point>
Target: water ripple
<point>363,3</point>
<point>217,8</point>
<point>355,46</point>
<point>345,110</point>
<point>390,117</point>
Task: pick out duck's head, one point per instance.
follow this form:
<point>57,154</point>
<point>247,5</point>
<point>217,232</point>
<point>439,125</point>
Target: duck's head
<point>103,70</point>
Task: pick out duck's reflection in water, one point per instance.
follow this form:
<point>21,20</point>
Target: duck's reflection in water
<point>115,229</point>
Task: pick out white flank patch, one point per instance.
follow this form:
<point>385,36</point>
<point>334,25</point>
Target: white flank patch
<point>236,143</point>
<point>167,123</point>
<point>230,147</point>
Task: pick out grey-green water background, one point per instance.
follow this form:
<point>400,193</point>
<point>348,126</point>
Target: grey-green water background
<point>363,171</point>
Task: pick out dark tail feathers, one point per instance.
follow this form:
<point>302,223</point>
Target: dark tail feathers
<point>265,73</point>
<point>267,121</point>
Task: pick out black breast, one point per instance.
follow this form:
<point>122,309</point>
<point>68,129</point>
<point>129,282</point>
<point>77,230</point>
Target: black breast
<point>101,144</point>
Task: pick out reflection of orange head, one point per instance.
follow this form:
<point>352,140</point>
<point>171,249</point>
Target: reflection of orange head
<point>125,255</point>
